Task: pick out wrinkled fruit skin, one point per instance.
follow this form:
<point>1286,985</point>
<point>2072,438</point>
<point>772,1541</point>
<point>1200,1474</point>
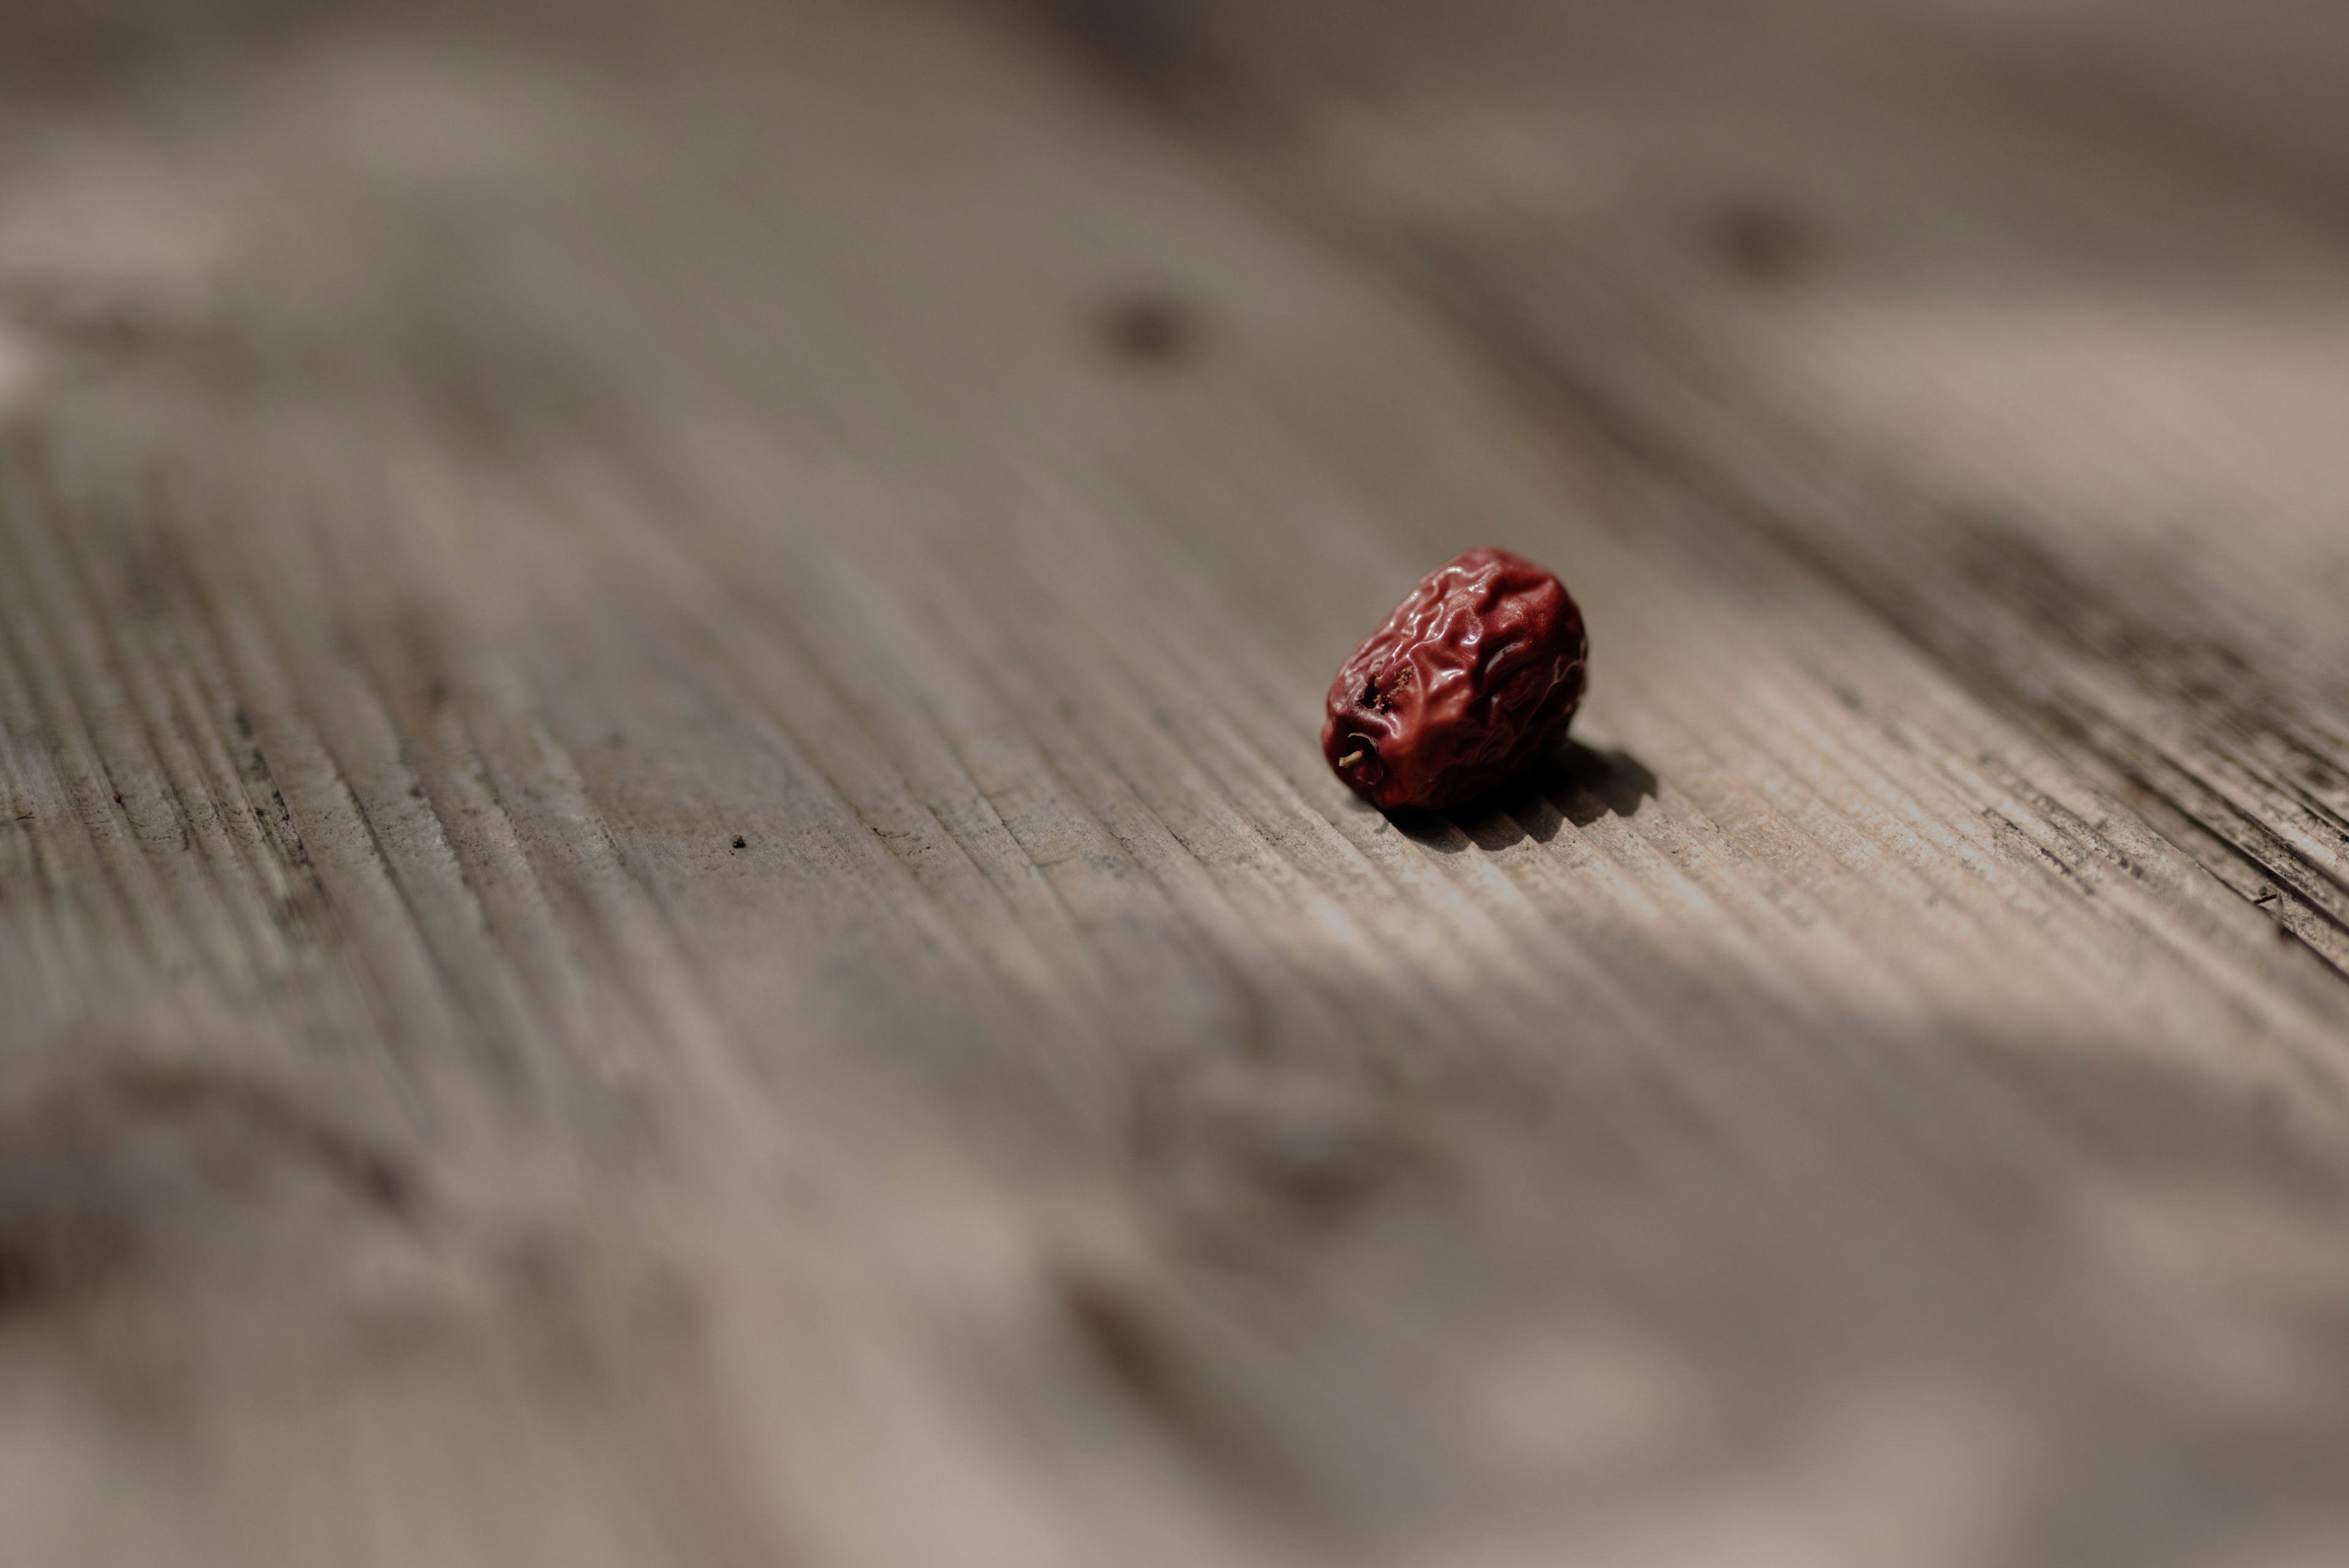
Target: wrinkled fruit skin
<point>1474,674</point>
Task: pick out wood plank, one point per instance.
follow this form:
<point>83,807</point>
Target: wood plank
<point>667,896</point>
<point>2049,391</point>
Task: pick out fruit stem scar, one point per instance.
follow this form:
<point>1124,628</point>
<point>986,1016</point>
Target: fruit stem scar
<point>1351,758</point>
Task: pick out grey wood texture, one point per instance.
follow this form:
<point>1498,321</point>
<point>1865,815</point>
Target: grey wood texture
<point>667,894</point>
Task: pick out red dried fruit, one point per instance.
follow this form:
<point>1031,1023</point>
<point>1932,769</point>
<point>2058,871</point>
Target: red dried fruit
<point>1479,670</point>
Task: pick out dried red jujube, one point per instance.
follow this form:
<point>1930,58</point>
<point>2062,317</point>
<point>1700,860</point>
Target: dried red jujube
<point>1479,670</point>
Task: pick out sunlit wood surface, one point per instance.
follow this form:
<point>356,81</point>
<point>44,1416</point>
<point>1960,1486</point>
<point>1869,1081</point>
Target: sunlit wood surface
<point>667,895</point>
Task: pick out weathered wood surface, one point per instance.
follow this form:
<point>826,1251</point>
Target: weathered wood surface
<point>665,894</point>
<point>2040,365</point>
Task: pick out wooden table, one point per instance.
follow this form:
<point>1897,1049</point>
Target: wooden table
<point>666,890</point>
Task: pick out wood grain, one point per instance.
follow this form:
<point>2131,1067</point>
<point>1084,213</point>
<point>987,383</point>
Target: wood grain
<point>1982,320</point>
<point>667,894</point>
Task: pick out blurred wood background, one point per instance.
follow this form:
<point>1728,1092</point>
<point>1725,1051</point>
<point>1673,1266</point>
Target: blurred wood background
<point>665,891</point>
